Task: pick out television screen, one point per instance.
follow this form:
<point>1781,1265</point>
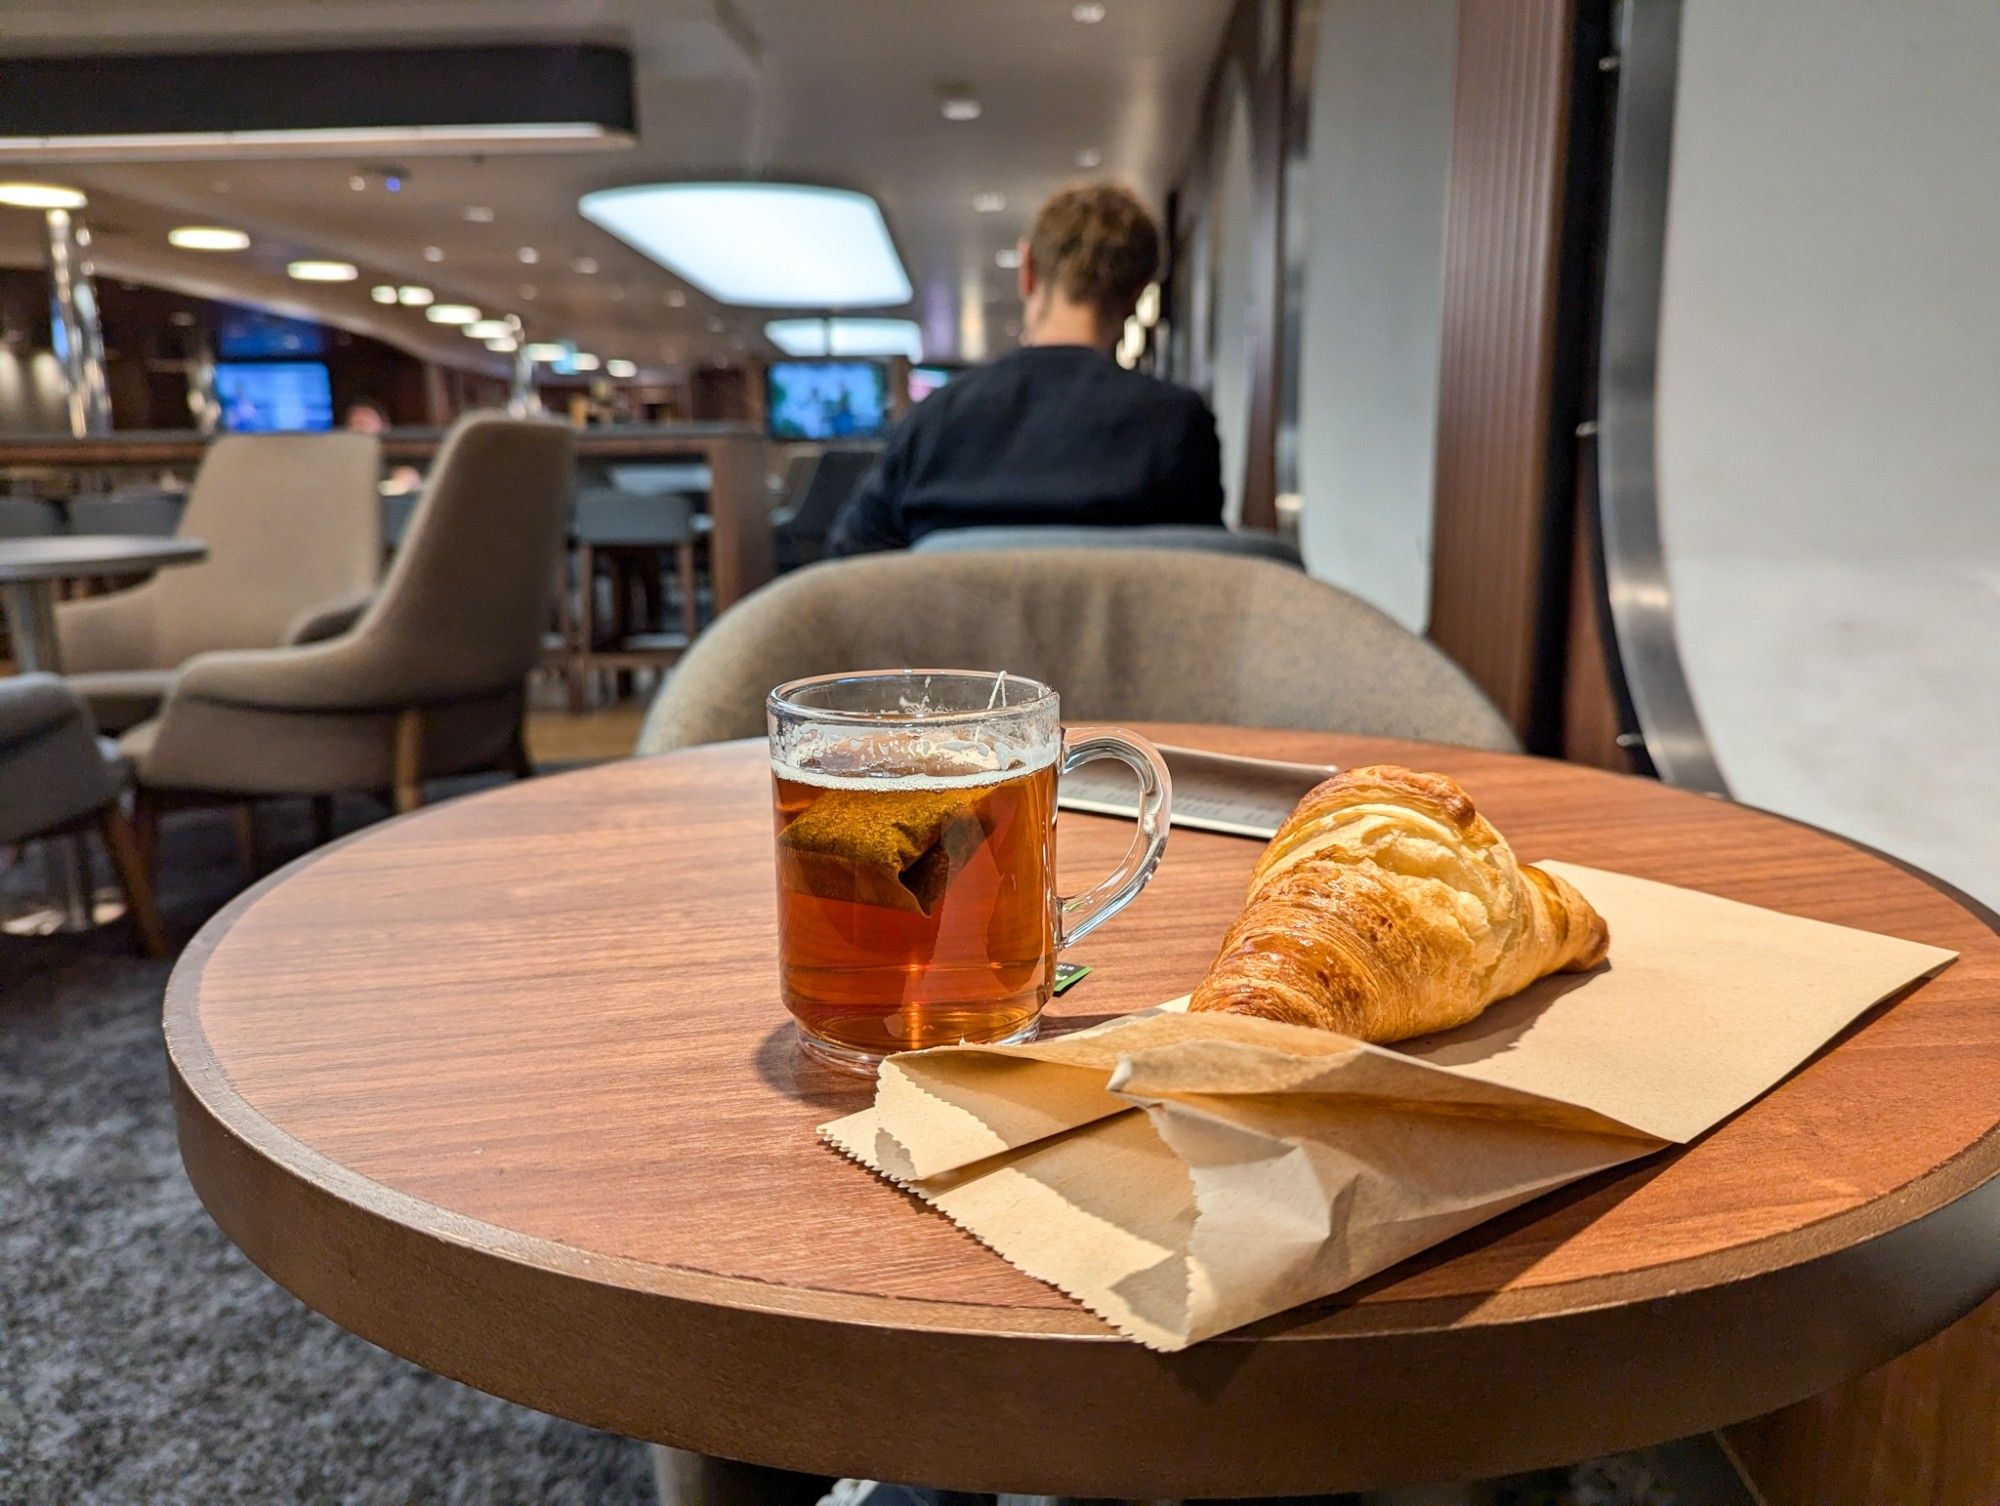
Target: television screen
<point>252,335</point>
<point>273,395</point>
<point>924,380</point>
<point>819,400</point>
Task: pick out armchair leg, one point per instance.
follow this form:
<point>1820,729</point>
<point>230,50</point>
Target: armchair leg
<point>135,874</point>
<point>408,765</point>
<point>248,847</point>
<point>146,831</point>
<point>520,763</point>
<point>690,608</point>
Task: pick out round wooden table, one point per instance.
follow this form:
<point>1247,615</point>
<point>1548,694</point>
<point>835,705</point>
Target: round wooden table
<point>504,1086</point>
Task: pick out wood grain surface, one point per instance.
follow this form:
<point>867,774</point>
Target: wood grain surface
<point>505,1087</point>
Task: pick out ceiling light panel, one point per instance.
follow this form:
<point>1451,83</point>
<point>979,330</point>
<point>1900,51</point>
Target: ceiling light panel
<point>847,337</point>
<point>451,313</point>
<point>207,238</point>
<point>763,245</point>
<point>322,271</point>
<point>41,196</point>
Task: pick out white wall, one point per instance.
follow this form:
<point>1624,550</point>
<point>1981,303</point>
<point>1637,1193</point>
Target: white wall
<point>1380,151</point>
<point>1829,413</point>
<point>1231,226</point>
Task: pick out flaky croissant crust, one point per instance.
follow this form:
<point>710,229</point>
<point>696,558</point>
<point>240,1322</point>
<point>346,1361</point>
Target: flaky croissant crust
<point>1387,906</point>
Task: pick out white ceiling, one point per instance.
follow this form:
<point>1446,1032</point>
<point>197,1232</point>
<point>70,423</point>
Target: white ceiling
<point>835,91</point>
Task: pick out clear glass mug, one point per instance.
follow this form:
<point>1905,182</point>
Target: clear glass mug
<point>916,821</point>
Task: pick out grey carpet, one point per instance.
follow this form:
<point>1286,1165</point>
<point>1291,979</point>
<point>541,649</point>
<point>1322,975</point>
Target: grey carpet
<point>142,1359</point>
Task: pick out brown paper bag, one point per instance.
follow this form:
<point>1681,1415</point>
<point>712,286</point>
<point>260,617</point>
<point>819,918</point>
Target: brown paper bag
<point>1181,1175</point>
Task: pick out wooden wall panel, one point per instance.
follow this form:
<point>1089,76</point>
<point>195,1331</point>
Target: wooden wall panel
<point>1502,252</point>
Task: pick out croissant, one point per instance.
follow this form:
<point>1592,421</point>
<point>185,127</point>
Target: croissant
<point>1386,907</point>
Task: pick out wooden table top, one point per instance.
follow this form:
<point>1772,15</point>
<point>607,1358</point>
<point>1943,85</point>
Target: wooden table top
<point>505,1087</point>
<point>67,555</point>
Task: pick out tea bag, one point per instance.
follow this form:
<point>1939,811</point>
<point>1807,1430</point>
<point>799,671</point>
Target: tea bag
<point>893,848</point>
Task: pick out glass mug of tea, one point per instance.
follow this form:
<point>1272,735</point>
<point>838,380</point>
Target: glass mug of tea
<point>916,822</point>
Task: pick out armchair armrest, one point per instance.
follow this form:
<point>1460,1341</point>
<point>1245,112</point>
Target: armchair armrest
<point>327,620</point>
<point>114,631</point>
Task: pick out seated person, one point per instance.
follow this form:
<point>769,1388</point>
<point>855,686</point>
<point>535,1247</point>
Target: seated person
<point>1058,431</point>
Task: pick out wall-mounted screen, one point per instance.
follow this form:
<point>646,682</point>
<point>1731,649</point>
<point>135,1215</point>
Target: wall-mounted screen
<point>822,400</point>
<point>269,396</point>
<point>253,335</point>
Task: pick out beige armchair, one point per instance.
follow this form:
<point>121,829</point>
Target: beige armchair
<point>1125,634</point>
<point>430,681</point>
<point>293,525</point>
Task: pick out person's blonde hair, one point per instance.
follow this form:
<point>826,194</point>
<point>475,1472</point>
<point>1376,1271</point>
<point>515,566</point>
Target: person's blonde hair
<point>1097,245</point>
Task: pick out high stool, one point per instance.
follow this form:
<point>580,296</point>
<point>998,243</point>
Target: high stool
<point>626,536</point>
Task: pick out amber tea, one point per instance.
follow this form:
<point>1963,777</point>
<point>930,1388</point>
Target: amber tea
<point>915,837</point>
<point>916,911</point>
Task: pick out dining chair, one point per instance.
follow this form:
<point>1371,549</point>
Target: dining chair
<point>1123,634</point>
<point>58,780</point>
<point>28,518</point>
<point>292,526</point>
<point>815,497</point>
<point>430,680</point>
<point>148,511</point>
<point>625,536</point>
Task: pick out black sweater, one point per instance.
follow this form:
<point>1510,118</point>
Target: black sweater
<point>1047,434</point>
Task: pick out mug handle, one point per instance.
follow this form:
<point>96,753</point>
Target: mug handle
<point>1079,916</point>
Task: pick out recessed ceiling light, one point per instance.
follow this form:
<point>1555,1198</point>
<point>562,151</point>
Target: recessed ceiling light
<point>1090,156</point>
<point>1089,12</point>
<point>849,337</point>
<point>451,313</point>
<point>621,368</point>
<point>42,196</point>
<point>547,350</point>
<point>504,345</point>
<point>433,253</point>
<point>1010,258</point>
<point>989,203</point>
<point>529,256</point>
<point>676,299</point>
<point>478,214</point>
<point>207,238</point>
<point>960,107</point>
<point>181,319</point>
<point>715,326</point>
<point>489,329</point>
<point>356,182</point>
<point>415,296</point>
<point>771,245</point>
<point>586,265</point>
<point>382,293</point>
<point>322,271</point>
<point>583,360</point>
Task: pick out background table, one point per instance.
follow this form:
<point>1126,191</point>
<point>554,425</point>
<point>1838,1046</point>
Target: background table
<point>504,1087</point>
<point>30,570</point>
